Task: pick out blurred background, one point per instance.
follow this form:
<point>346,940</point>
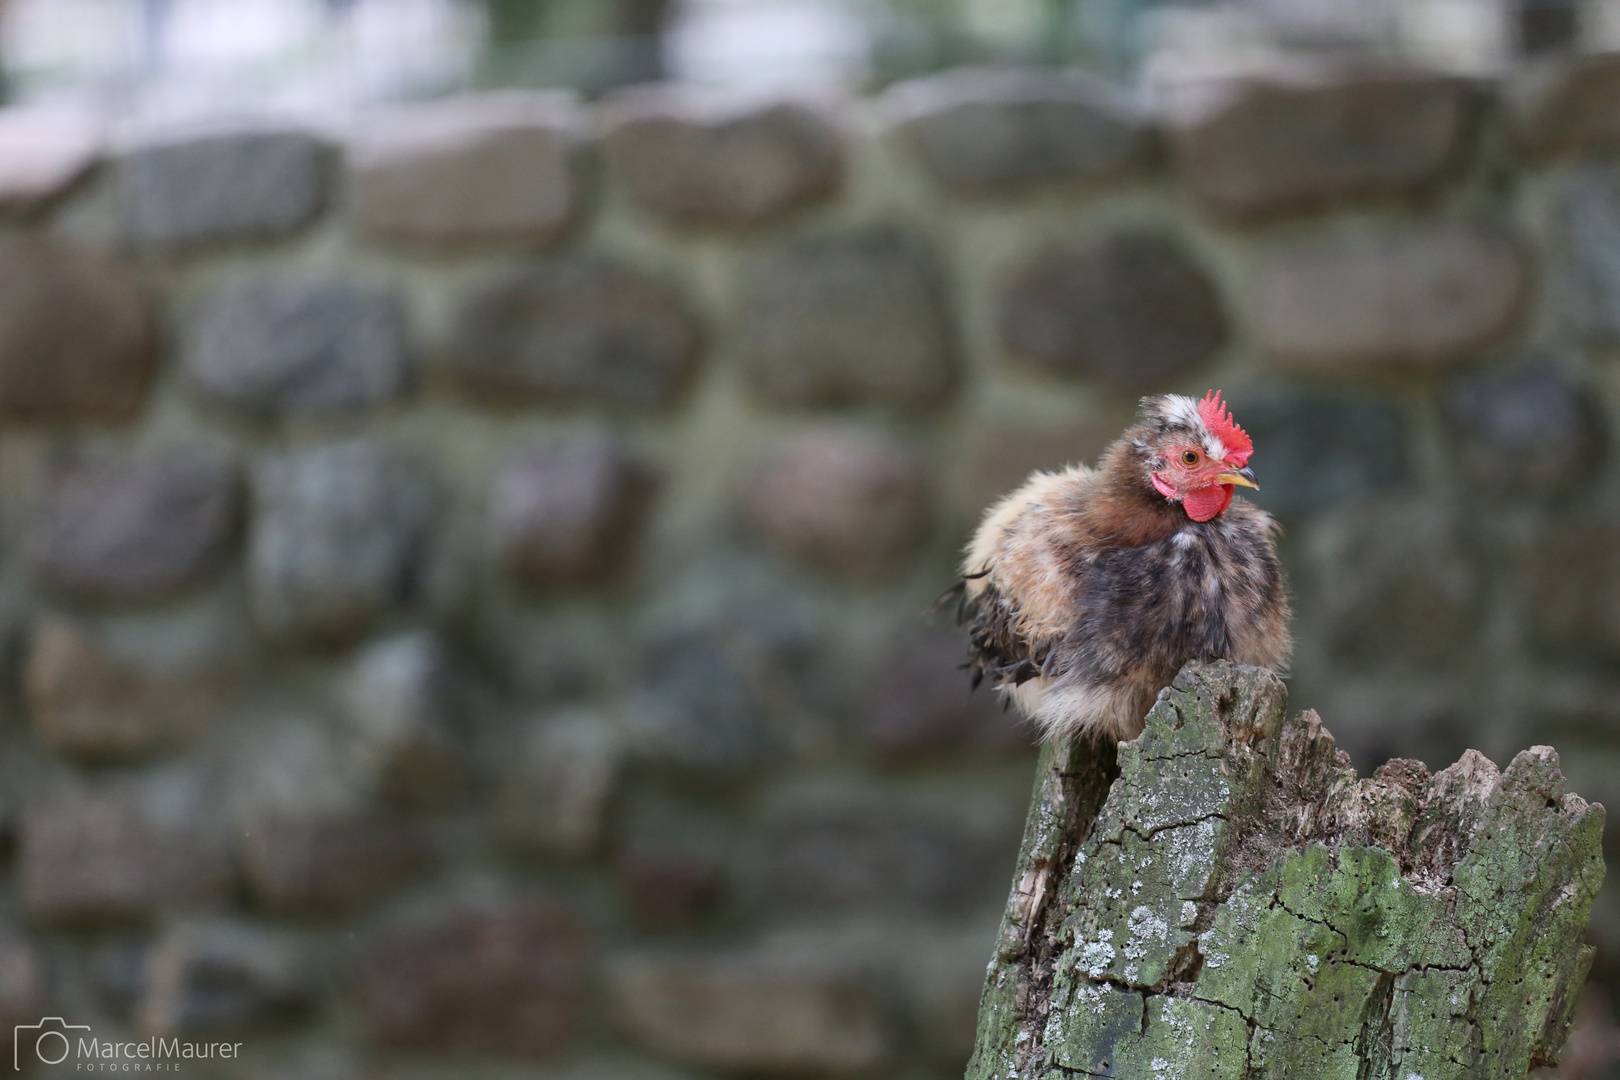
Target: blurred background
<point>474,477</point>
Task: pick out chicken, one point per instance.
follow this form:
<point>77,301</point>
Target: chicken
<point>1086,590</point>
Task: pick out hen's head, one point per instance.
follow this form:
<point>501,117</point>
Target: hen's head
<point>1193,452</point>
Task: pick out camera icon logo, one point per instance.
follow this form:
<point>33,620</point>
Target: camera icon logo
<point>47,1041</point>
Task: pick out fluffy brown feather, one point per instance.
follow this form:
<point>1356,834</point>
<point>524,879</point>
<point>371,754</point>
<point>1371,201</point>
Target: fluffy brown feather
<point>1085,591</point>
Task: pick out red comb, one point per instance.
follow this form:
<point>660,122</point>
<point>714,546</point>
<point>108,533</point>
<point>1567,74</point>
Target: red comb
<point>1212,410</point>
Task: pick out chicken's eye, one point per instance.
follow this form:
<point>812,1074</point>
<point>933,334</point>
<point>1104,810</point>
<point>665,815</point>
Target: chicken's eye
<point>1189,457</point>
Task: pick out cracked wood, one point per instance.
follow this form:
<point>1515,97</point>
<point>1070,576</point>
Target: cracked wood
<point>1223,897</point>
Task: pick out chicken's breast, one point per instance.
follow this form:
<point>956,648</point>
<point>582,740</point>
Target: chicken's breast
<point>1083,634</point>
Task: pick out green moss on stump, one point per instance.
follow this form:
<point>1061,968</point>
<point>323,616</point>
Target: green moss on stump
<point>1224,898</point>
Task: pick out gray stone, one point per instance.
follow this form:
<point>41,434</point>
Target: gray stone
<point>337,539</point>
<point>849,500</point>
<point>1396,586</point>
<point>857,857</point>
<point>756,1012</point>
<point>1567,106</point>
<point>984,131</point>
<point>77,337</point>
<point>83,702</point>
<point>724,701</point>
<point>568,514</point>
<point>506,982</point>
<point>1526,430</point>
<point>920,701</point>
<point>575,329</point>
<point>1415,298</point>
<point>1132,308</point>
<point>1275,147</point>
<point>326,861</point>
<point>211,979</point>
<point>1314,450</point>
<point>495,168</point>
<point>557,786</point>
<point>710,158</point>
<point>1589,209</point>
<point>119,850</point>
<point>311,839</point>
<point>222,188</point>
<point>848,317</point>
<point>136,529</point>
<point>399,702</point>
<point>297,345</point>
<point>1573,572</point>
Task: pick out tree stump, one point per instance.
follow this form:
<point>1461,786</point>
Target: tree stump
<point>1224,898</point>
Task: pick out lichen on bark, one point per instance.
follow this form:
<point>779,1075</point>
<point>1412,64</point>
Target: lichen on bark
<point>1224,898</point>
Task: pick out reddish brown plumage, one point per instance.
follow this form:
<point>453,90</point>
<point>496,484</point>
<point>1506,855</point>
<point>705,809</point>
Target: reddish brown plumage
<point>1086,590</point>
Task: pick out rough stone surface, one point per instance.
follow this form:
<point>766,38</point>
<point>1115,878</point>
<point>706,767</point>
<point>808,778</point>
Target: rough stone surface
<point>568,514</point>
<point>76,335</point>
<point>119,850</point>
<point>136,529</point>
<point>920,701</point>
<point>226,188</point>
<point>557,787</point>
<point>575,329</point>
<point>1415,602</point>
<point>708,158</point>
<point>1237,903</point>
<point>1574,590</point>
<point>1590,210</point>
<point>1567,107</point>
<point>1419,297</point>
<point>337,538</point>
<point>819,861</point>
<point>1274,147</point>
<point>498,168</point>
<point>846,317</point>
<point>1132,308</point>
<point>85,703</point>
<point>1531,429</point>
<point>848,500</point>
<point>1318,450</point>
<point>984,131</point>
<point>324,862</point>
<point>506,982</point>
<point>293,345</point>
<point>216,979</point>
<point>403,733</point>
<point>755,1011</point>
<point>724,702</point>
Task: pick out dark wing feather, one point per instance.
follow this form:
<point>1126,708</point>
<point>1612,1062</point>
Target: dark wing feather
<point>995,649</point>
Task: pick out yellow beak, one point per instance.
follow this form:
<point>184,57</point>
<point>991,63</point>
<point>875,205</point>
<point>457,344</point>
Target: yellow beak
<point>1242,478</point>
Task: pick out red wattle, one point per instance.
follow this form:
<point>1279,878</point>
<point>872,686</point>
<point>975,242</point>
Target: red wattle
<point>1205,503</point>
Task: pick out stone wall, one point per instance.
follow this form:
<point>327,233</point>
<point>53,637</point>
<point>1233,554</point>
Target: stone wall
<point>463,576</point>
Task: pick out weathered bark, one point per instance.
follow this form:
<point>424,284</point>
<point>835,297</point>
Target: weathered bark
<point>1224,898</point>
